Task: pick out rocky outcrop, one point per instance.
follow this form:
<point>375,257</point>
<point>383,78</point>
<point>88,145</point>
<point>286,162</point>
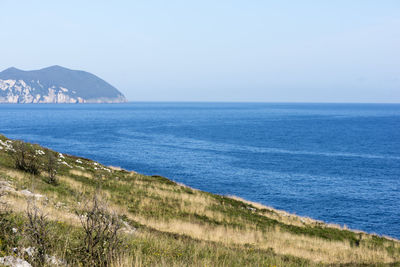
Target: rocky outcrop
<point>14,262</point>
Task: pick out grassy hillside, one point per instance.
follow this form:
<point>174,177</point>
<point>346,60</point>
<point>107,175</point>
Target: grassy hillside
<point>169,224</point>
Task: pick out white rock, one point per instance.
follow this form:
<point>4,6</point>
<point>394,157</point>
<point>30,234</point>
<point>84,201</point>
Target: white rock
<point>7,145</point>
<point>30,251</point>
<point>30,194</point>
<point>6,187</point>
<point>39,152</point>
<point>63,162</point>
<point>14,261</point>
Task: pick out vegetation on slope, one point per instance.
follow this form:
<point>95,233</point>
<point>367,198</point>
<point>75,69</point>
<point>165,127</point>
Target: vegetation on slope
<point>161,222</point>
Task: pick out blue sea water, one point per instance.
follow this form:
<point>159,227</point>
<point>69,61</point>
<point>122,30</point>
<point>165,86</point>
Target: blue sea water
<point>338,163</point>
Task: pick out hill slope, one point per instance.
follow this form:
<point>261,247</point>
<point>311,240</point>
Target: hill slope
<point>170,224</point>
<point>55,85</point>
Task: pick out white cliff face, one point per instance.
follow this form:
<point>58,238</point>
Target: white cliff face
<point>5,84</point>
<point>18,91</point>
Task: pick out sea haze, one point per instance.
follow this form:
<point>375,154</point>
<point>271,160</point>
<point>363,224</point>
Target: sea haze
<point>335,162</point>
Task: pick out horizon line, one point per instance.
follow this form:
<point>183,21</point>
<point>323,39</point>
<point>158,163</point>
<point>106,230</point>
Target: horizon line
<point>252,102</point>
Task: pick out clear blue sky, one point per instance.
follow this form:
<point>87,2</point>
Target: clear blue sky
<point>214,50</point>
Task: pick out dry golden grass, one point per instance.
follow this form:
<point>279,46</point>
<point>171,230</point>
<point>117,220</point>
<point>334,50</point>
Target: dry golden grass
<point>287,217</point>
<point>19,204</point>
<point>74,184</point>
<point>81,173</point>
<point>189,202</point>
<point>15,174</point>
<point>314,249</point>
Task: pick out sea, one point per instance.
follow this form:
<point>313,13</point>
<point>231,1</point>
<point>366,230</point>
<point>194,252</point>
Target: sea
<point>339,163</point>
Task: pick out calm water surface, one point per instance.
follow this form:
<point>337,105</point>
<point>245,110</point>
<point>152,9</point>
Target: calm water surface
<point>334,162</point>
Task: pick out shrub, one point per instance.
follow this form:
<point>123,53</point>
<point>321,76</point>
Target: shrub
<point>101,242</point>
<point>38,232</point>
<point>25,158</point>
<point>51,167</point>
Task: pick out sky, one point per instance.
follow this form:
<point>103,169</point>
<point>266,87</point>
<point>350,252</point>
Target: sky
<point>214,50</point>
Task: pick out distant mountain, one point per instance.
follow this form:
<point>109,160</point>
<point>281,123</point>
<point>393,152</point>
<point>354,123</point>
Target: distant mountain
<point>55,85</point>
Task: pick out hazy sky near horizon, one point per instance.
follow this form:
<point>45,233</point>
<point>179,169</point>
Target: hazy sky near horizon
<point>225,50</point>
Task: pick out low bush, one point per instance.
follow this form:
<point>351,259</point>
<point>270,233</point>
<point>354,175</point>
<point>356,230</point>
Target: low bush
<point>101,240</point>
<point>25,158</point>
<point>51,167</point>
<point>38,232</point>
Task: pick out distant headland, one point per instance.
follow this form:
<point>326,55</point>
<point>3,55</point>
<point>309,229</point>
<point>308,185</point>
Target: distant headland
<point>56,84</point>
